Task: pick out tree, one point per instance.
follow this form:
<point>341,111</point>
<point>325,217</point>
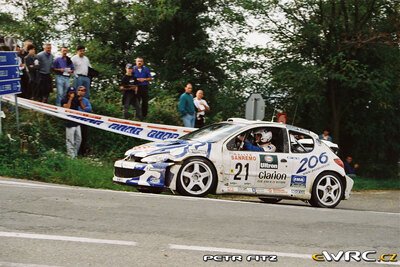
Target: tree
<point>31,19</point>
<point>340,61</point>
<point>178,45</point>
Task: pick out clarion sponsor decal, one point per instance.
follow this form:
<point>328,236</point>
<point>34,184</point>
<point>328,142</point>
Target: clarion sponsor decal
<point>268,162</point>
<point>248,157</point>
<point>272,175</point>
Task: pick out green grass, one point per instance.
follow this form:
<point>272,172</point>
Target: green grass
<point>55,167</point>
<point>364,183</point>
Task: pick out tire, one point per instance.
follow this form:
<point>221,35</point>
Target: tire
<point>327,191</point>
<point>150,190</point>
<point>270,200</point>
<point>197,177</point>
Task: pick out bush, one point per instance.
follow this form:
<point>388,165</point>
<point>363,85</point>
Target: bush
<point>163,109</point>
<point>55,167</point>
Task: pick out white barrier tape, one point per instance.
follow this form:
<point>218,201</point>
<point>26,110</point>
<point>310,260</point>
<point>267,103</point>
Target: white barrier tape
<point>137,129</point>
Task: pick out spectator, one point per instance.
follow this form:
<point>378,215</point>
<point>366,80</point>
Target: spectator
<point>73,129</point>
<point>24,50</point>
<point>201,107</point>
<point>84,149</point>
<point>129,90</point>
<point>45,84</point>
<point>63,68</point>
<point>186,107</point>
<point>143,76</point>
<point>23,74</point>
<point>349,168</point>
<point>81,64</point>
<point>32,64</point>
<point>325,135</point>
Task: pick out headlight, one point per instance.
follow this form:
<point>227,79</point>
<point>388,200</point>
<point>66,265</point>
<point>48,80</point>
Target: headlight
<point>156,158</point>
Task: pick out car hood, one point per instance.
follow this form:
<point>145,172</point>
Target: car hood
<point>176,148</point>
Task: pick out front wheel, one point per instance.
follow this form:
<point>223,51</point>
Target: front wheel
<point>327,190</point>
<point>197,177</point>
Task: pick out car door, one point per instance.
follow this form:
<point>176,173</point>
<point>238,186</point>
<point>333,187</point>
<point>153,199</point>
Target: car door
<point>240,167</point>
<point>275,168</point>
<point>248,170</point>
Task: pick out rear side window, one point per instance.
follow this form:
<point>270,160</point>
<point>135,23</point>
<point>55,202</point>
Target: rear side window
<point>300,142</point>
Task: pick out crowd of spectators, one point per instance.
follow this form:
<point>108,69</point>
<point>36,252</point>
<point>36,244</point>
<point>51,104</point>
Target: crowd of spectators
<point>72,83</point>
<point>192,110</point>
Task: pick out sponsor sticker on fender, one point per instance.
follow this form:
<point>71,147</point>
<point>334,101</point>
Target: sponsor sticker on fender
<point>244,157</point>
<point>271,177</point>
<point>268,162</point>
<point>298,191</point>
<point>298,181</point>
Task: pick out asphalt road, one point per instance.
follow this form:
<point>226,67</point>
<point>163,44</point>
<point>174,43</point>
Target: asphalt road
<point>53,225</point>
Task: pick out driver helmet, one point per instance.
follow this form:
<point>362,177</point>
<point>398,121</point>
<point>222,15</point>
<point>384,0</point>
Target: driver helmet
<point>265,136</point>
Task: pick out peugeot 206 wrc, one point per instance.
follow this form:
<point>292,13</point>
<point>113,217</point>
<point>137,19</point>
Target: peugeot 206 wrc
<point>214,159</point>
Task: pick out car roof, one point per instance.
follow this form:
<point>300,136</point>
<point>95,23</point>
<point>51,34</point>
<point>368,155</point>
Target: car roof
<point>244,122</point>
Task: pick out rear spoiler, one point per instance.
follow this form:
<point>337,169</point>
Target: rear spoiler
<point>334,147</point>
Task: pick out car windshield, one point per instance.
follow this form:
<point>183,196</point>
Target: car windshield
<point>212,133</point>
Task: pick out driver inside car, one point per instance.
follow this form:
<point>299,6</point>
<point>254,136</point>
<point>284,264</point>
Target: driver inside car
<point>262,141</point>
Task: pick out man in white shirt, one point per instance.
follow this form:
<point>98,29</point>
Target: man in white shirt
<point>81,65</point>
<point>202,107</point>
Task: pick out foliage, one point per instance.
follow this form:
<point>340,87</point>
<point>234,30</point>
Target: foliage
<point>35,20</point>
<point>164,109</point>
<point>332,61</point>
<point>55,167</point>
<point>365,183</point>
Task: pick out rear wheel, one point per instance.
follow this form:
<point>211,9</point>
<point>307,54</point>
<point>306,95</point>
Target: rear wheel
<point>327,190</point>
<point>197,177</point>
<point>270,200</point>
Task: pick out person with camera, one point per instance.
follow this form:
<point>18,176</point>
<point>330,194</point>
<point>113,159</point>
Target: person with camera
<point>72,129</point>
<point>86,106</point>
<point>129,90</point>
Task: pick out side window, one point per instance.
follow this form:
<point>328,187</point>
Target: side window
<point>236,144</point>
<point>300,142</point>
<point>274,139</point>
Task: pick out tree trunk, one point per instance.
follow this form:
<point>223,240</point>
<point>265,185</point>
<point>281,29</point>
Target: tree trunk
<point>335,112</point>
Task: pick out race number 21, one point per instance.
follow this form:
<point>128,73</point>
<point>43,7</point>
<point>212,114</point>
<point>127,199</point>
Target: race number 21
<point>239,167</point>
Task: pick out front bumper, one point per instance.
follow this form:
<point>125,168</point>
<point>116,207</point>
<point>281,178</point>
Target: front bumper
<point>140,174</point>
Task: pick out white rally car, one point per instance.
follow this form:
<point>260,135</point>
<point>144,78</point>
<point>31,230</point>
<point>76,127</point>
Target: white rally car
<point>213,160</point>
